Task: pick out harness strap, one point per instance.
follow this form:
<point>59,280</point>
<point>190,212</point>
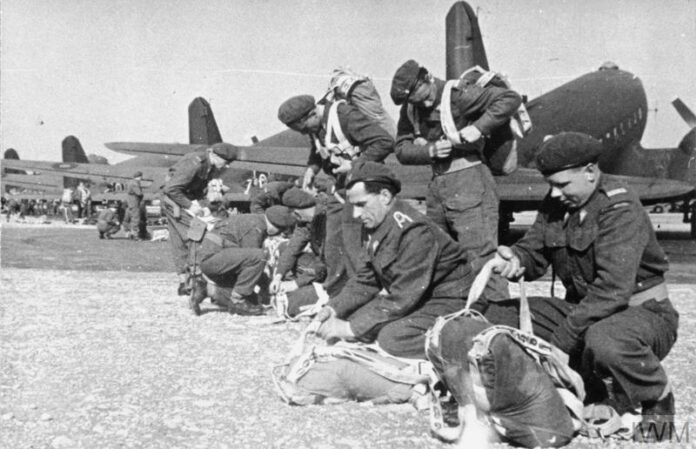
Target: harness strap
<point>341,145</point>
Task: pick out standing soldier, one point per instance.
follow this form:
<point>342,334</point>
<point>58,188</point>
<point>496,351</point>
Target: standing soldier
<point>181,194</point>
<point>462,196</point>
<point>135,198</point>
<point>340,135</point>
<point>598,239</point>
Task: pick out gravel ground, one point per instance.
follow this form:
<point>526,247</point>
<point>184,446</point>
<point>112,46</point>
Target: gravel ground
<point>112,359</point>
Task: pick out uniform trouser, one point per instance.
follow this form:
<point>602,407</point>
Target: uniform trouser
<point>521,396</point>
<point>134,211</point>
<point>465,204</point>
<point>177,238</point>
<point>625,348</point>
<point>405,337</point>
<point>342,242</point>
<point>240,268</point>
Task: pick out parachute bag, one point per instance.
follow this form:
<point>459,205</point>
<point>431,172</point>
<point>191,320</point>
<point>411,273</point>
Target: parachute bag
<point>319,374</point>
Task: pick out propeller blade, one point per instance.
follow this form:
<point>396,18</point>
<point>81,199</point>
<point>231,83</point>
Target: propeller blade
<point>685,112</point>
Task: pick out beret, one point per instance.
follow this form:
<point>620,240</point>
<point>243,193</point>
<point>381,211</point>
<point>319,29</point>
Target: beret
<point>567,150</point>
<point>226,151</point>
<point>368,171</point>
<point>295,108</point>
<point>138,173</point>
<point>405,80</point>
<point>280,216</point>
<point>297,198</point>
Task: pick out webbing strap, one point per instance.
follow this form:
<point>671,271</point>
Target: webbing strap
<point>342,145</point>
<point>446,119</point>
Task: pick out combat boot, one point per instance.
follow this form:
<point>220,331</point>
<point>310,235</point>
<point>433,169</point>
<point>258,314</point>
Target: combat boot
<point>657,423</point>
<point>241,305</point>
<point>198,294</point>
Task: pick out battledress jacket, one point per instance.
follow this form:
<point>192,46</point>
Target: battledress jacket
<point>236,231</point>
<point>374,142</point>
<point>488,108</point>
<point>411,258</point>
<point>189,179</point>
<point>603,253</point>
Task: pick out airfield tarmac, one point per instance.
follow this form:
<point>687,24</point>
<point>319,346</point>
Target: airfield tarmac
<point>98,351</point>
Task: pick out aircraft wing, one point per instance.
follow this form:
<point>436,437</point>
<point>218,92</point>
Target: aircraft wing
<point>166,149</point>
<point>93,172</point>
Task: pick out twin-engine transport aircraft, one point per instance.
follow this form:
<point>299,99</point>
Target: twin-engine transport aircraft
<point>609,104</point>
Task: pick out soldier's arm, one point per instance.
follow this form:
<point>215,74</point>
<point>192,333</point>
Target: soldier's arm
<point>622,236</point>
<point>375,142</point>
<point>314,161</point>
<point>288,257</point>
<point>408,152</point>
<point>184,172</point>
<point>358,291</point>
<point>259,203</point>
<point>498,105</point>
<point>531,251</point>
<point>412,272</point>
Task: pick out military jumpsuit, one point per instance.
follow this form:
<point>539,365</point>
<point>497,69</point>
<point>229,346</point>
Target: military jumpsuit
<point>462,196</point>
<point>410,272</point>
<point>617,323</point>
<point>135,207</point>
<point>188,181</point>
<point>343,231</point>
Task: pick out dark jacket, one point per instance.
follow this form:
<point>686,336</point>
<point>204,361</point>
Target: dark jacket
<point>189,179</point>
<point>603,253</point>
<point>413,260</point>
<point>488,108</point>
<point>235,231</point>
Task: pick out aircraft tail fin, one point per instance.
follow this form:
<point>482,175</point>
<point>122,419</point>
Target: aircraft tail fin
<point>73,152</point>
<point>202,126</point>
<point>11,153</point>
<point>683,163</point>
<point>464,42</point>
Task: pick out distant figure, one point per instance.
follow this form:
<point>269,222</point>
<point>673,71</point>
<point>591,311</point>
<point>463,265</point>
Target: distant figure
<point>12,207</point>
<point>84,199</point>
<point>134,200</point>
<point>66,201</point>
<point>107,222</point>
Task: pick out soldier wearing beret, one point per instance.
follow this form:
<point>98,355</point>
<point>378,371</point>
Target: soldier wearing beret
<point>340,135</point>
<point>271,195</point>
<point>462,196</point>
<point>618,322</point>
<point>136,207</point>
<point>232,256</point>
<point>410,271</point>
<point>185,187</point>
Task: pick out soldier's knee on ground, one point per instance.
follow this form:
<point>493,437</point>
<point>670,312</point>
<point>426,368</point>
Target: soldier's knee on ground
<point>303,296</point>
<point>400,341</point>
<point>601,347</point>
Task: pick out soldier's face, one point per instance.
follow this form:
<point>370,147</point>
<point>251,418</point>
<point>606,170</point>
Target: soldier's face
<point>304,215</point>
<point>424,94</point>
<point>217,161</point>
<point>370,208</point>
<point>574,186</point>
<point>307,125</point>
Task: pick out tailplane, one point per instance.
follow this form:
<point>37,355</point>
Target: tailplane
<point>683,163</point>
<point>202,126</point>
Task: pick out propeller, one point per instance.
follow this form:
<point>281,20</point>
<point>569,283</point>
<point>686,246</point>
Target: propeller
<point>685,113</point>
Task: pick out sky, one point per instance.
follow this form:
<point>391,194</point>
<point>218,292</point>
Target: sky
<point>126,70</point>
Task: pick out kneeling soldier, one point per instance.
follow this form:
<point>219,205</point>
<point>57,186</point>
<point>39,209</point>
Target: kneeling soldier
<point>231,256</point>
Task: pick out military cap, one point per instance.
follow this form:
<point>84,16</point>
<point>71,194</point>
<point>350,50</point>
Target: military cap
<point>295,108</point>
<point>226,151</point>
<point>280,216</point>
<point>567,150</point>
<point>297,198</point>
<point>405,80</point>
<point>137,174</point>
<point>374,172</point>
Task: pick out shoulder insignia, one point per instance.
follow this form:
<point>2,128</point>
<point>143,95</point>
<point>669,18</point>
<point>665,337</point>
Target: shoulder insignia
<point>401,218</point>
<point>615,192</point>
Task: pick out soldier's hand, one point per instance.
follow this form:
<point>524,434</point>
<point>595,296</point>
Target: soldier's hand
<point>324,314</point>
<point>420,141</point>
<point>274,286</point>
<point>470,133</point>
<point>308,178</point>
<point>194,209</point>
<point>335,329</point>
<point>507,264</point>
<point>288,286</point>
<point>440,149</point>
<point>344,166</point>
